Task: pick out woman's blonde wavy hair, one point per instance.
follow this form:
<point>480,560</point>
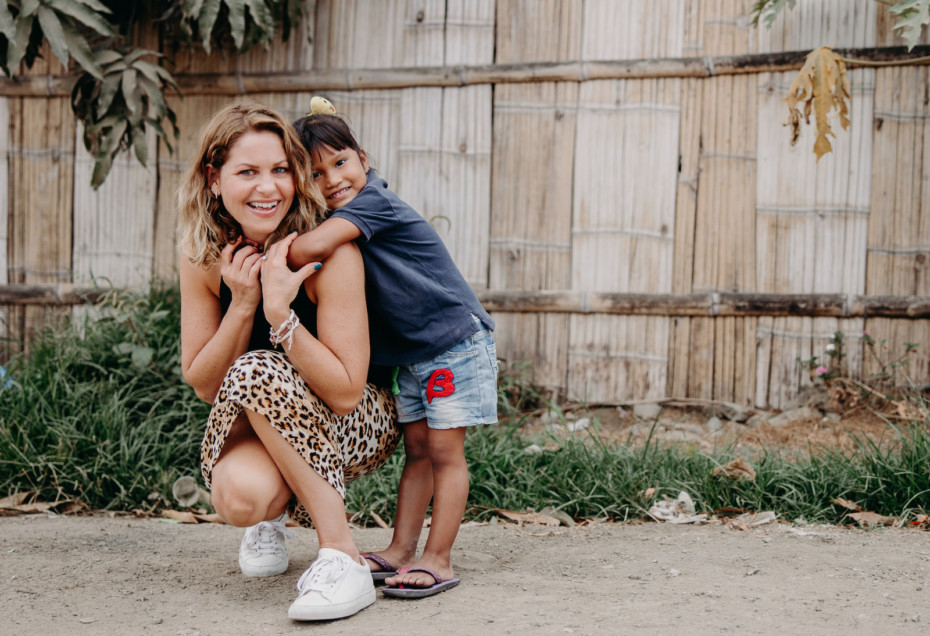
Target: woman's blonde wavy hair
<point>204,225</point>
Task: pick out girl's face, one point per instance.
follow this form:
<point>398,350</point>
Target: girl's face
<point>340,174</point>
<point>256,183</point>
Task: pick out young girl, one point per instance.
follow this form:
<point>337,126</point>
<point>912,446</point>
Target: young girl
<point>288,428</point>
<point>426,322</point>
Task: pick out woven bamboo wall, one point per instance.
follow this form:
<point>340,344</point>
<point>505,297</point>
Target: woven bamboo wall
<point>610,180</point>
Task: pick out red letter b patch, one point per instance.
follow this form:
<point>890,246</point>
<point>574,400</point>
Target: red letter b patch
<point>440,384</point>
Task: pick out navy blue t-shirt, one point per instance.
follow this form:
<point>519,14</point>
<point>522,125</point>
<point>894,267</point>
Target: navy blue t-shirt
<point>419,304</point>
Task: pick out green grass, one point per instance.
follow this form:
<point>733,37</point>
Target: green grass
<point>104,419</point>
<point>100,414</point>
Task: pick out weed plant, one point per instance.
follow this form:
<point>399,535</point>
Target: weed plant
<point>99,413</point>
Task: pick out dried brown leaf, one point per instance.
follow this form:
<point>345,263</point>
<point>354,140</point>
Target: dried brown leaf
<point>849,505</point>
<point>872,519</point>
<point>180,515</point>
<point>15,499</point>
<point>822,85</point>
<point>528,517</point>
<point>739,469</point>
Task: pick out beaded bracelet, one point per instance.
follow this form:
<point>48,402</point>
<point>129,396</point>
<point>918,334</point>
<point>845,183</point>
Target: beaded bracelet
<point>286,330</point>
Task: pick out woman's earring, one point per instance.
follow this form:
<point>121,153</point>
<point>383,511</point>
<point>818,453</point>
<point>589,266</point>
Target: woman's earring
<point>215,191</point>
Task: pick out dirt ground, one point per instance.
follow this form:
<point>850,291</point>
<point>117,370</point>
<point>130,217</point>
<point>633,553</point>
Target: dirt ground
<point>99,575</point>
<point>104,574</point>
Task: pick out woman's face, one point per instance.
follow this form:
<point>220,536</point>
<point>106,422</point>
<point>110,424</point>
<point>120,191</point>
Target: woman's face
<point>256,183</point>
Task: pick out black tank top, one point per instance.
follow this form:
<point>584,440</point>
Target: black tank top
<point>306,312</point>
<point>302,306</point>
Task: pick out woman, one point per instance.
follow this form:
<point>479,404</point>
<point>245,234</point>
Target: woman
<point>288,427</point>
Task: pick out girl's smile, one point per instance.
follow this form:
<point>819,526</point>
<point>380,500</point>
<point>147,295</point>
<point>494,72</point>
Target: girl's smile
<point>340,174</point>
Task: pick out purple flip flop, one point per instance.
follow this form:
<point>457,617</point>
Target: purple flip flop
<point>420,592</point>
<point>387,570</point>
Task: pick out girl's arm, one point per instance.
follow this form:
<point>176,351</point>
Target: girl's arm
<point>335,364</point>
<point>319,243</point>
<point>211,342</point>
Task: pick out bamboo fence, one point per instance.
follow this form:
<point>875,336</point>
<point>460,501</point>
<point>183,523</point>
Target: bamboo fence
<point>612,178</point>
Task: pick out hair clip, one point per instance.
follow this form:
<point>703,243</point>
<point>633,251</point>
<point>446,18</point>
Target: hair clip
<point>321,106</point>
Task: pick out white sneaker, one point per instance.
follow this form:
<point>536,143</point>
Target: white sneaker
<point>263,551</point>
<point>334,586</point>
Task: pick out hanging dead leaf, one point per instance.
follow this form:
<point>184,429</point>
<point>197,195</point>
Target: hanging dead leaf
<point>822,85</point>
<point>849,505</point>
<point>739,469</point>
<point>867,519</point>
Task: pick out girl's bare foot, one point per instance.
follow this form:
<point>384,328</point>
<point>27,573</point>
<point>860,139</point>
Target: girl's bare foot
<point>420,578</point>
<point>387,560</point>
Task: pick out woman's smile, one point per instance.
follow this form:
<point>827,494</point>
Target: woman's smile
<point>256,183</point>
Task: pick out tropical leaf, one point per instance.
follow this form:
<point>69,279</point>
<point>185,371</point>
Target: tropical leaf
<point>120,93</point>
<point>242,23</point>
<point>89,15</point>
<point>131,96</point>
<point>140,144</point>
<point>7,23</point>
<point>821,85</point>
<point>54,34</point>
<point>768,10</point>
<point>29,8</point>
<point>24,44</point>
<point>205,21</point>
<point>118,109</point>
<point>81,52</point>
<point>236,9</point>
<point>261,14</point>
<point>913,15</point>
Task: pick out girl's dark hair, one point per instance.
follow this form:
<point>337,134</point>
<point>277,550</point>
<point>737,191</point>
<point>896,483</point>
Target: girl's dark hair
<point>320,130</point>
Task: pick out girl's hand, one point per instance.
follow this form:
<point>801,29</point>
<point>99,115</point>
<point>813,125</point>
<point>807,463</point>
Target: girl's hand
<point>279,283</point>
<point>240,269</point>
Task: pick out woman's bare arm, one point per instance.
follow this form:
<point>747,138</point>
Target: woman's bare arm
<point>210,341</point>
<point>334,364</point>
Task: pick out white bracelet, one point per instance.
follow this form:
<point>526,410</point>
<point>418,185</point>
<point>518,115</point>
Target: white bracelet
<point>286,330</point>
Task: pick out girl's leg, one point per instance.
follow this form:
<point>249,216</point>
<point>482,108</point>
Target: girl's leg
<point>247,486</point>
<point>322,501</point>
<point>450,477</point>
<point>413,497</point>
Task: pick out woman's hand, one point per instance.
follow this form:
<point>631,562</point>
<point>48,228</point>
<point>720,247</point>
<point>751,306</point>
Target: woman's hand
<point>279,283</point>
<point>240,269</point>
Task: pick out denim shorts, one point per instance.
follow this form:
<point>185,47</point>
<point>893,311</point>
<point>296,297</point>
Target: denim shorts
<point>455,389</point>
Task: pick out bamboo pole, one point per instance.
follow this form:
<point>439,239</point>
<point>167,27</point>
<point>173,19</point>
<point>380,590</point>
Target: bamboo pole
<point>580,302</point>
<point>238,83</point>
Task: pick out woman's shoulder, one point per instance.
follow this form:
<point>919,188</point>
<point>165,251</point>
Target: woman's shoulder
<point>344,256</point>
<point>342,267</point>
<point>199,275</point>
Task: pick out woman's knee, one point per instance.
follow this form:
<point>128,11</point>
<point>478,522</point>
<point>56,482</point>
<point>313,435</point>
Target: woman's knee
<point>235,506</point>
<point>247,487</point>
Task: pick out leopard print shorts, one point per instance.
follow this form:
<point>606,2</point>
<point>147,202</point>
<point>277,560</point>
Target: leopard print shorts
<point>340,449</point>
